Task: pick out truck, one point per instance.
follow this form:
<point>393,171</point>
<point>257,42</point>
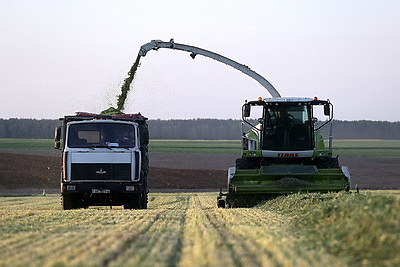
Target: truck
<point>283,151</point>
<point>104,160</point>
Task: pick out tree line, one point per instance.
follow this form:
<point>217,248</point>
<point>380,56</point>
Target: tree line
<point>203,129</point>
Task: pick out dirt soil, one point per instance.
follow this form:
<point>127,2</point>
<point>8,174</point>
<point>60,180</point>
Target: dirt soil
<point>41,170</point>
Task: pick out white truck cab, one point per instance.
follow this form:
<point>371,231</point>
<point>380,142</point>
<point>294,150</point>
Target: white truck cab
<point>105,160</point>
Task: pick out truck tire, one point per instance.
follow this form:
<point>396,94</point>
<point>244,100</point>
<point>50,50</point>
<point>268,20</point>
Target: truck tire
<point>144,200</point>
<point>69,202</point>
<point>144,195</point>
<point>131,202</point>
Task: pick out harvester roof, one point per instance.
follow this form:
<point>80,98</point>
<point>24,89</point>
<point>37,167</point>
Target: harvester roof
<point>288,99</point>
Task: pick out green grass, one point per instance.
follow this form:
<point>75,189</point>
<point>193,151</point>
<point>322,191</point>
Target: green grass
<point>350,148</point>
<point>196,146</point>
<point>182,229</point>
<point>367,148</point>
<point>34,144</point>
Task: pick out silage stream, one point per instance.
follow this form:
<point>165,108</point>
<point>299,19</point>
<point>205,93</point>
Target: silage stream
<point>125,88</point>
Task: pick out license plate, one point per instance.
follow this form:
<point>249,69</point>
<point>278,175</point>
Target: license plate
<point>100,191</point>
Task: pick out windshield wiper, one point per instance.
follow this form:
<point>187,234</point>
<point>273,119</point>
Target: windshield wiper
<point>99,146</point>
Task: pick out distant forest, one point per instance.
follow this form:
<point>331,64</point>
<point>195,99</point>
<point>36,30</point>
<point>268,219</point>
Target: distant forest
<point>203,129</point>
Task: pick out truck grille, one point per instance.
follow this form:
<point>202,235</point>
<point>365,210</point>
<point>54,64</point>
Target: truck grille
<point>100,171</point>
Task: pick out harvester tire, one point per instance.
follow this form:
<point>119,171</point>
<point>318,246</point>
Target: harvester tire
<point>327,163</point>
<point>247,163</point>
<point>332,163</point>
<point>221,203</point>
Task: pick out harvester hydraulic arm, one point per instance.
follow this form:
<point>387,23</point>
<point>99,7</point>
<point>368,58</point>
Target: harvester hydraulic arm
<point>156,44</point>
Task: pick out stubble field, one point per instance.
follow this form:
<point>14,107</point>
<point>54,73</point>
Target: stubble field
<point>186,229</point>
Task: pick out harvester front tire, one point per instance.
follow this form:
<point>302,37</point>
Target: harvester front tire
<point>221,203</point>
<point>247,163</point>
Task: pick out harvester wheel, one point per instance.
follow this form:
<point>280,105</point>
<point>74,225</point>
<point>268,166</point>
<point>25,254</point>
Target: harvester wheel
<point>247,163</point>
<point>347,188</point>
<point>221,203</point>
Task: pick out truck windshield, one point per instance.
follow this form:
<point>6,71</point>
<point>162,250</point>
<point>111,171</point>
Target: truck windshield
<point>287,127</point>
<point>101,135</point>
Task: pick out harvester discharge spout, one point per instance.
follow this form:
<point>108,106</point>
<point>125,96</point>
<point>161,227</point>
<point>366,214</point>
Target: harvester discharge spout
<point>194,51</point>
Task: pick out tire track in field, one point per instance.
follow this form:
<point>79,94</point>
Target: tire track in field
<point>161,241</point>
<point>264,235</point>
<point>244,218</point>
<point>271,237</point>
<point>245,252</point>
<point>224,235</point>
<point>126,241</point>
<point>207,243</point>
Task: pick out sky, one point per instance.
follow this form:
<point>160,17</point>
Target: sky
<point>59,57</point>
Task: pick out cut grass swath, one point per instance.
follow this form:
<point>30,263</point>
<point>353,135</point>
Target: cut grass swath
<point>186,228</point>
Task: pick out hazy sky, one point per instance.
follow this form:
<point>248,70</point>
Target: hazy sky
<point>58,57</point>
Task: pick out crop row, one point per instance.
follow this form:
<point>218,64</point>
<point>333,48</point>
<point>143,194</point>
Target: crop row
<point>183,229</point>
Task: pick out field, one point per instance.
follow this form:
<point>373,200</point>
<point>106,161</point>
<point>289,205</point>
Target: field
<point>186,229</point>
<point>345,148</point>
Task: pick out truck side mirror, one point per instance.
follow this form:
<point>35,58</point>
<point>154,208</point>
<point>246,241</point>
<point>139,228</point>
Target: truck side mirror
<point>327,109</point>
<point>246,110</point>
<point>57,137</point>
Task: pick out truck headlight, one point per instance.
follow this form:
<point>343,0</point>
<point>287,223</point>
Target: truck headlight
<point>71,187</point>
<point>130,188</point>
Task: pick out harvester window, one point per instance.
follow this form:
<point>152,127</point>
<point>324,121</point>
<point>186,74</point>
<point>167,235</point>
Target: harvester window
<point>287,128</point>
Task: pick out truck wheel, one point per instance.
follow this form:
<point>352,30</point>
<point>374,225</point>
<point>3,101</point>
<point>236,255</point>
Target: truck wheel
<point>144,200</point>
<point>141,202</point>
<point>144,195</point>
<point>68,202</point>
<point>130,203</point>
